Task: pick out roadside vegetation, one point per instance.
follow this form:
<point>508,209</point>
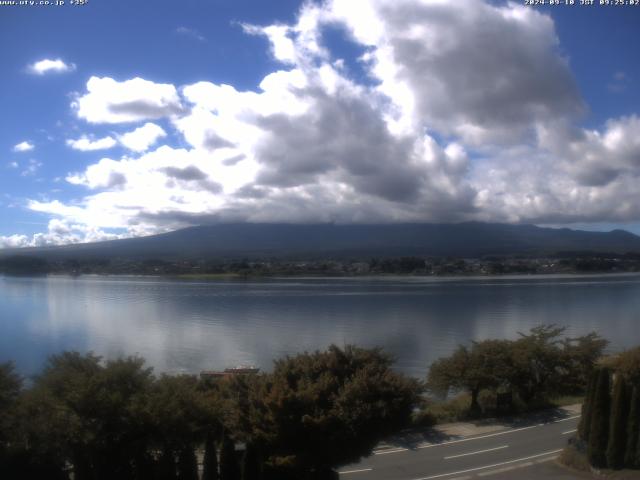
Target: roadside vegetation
<point>609,430</point>
<point>104,420</point>
<point>86,418</point>
<point>541,369</point>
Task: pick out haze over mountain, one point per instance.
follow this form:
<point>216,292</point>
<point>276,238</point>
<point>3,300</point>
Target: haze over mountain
<point>265,240</point>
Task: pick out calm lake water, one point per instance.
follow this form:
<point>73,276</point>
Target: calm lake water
<point>187,326</point>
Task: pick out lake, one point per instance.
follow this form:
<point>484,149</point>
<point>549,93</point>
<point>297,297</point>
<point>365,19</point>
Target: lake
<point>188,326</point>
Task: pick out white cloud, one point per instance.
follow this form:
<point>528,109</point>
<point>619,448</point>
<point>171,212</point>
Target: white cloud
<point>87,144</point>
<point>59,232</point>
<point>25,146</point>
<point>110,101</point>
<point>191,33</point>
<point>482,72</point>
<point>14,241</point>
<point>46,65</point>
<point>315,143</point>
<point>140,139</point>
<point>32,168</point>
<point>619,82</point>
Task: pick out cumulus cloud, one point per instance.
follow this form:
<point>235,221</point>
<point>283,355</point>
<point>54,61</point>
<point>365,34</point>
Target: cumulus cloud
<point>479,71</point>
<point>25,146</point>
<point>14,241</point>
<point>466,111</point>
<point>143,137</point>
<point>59,232</point>
<point>86,144</point>
<point>110,101</point>
<point>46,66</point>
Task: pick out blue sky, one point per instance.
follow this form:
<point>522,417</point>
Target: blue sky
<point>361,111</point>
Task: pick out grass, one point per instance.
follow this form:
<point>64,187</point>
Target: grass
<point>456,409</point>
<point>577,461</point>
<point>566,400</point>
<point>570,457</point>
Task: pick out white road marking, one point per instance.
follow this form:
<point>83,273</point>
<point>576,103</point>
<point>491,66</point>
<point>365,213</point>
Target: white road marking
<point>469,439</point>
<point>386,452</point>
<point>565,419</point>
<point>570,431</point>
<point>476,453</point>
<point>542,460</point>
<point>490,466</point>
<point>356,471</point>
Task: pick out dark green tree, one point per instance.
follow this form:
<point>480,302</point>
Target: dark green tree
<point>599,430</point>
<point>251,467</point>
<point>488,364</point>
<point>10,387</point>
<point>187,464</point>
<point>229,466</point>
<point>633,430</point>
<point>102,434</point>
<point>540,363</point>
<point>584,425</point>
<point>166,469</point>
<point>178,413</point>
<point>580,357</point>
<point>618,424</point>
<point>326,409</point>
<point>210,462</point>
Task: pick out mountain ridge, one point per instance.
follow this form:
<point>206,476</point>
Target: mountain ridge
<point>325,240</point>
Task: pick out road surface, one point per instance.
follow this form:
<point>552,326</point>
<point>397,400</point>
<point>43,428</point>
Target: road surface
<point>477,456</point>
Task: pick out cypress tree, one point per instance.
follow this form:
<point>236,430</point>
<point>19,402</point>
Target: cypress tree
<point>637,458</point>
<point>187,464</point>
<point>599,429</point>
<point>587,407</point>
<point>251,463</point>
<point>633,430</point>
<point>229,468</point>
<point>618,424</point>
<point>210,466</point>
<point>167,466</point>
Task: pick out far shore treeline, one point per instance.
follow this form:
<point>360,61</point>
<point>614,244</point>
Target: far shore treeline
<point>563,263</point>
<point>87,418</point>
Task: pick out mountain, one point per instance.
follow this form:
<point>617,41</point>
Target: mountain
<point>262,240</point>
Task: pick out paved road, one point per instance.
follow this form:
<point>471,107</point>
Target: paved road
<point>470,457</point>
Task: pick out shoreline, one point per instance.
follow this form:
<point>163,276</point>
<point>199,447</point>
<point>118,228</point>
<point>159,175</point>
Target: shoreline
<point>324,276</point>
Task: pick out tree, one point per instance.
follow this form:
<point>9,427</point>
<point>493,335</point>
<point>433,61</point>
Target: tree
<point>581,355</point>
<point>618,424</point>
<point>584,426</point>
<point>628,364</point>
<point>599,430</point>
<point>210,462</point>
<point>487,365</point>
<point>326,409</point>
<point>251,468</point>
<point>633,430</point>
<point>539,361</point>
<point>103,435</point>
<point>187,464</point>
<point>229,468</point>
<point>10,387</point>
<point>166,468</point>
